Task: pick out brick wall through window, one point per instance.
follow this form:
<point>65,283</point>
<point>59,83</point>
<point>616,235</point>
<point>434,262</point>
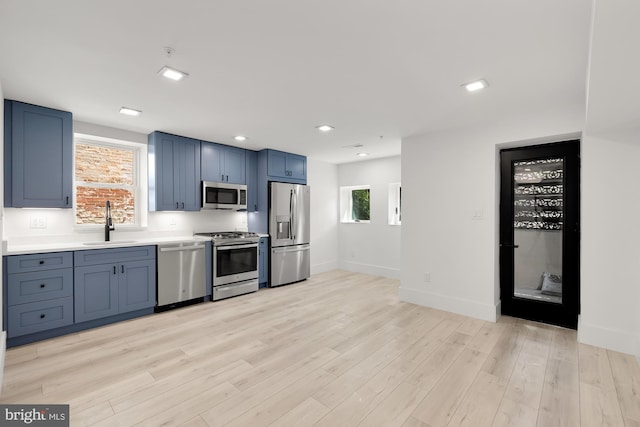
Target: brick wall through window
<point>105,173</point>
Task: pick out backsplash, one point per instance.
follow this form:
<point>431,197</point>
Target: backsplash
<point>27,226</point>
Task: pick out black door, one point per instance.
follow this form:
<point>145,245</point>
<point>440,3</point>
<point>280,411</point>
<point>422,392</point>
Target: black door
<point>540,233</point>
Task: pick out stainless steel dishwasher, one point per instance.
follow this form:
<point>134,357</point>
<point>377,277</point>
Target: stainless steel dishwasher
<point>181,273</point>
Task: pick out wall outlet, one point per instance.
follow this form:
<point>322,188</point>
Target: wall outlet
<point>37,222</point>
<point>477,214</point>
<point>172,220</point>
<point>427,277</point>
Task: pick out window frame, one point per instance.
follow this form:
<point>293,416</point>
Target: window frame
<point>139,186</point>
<point>395,203</point>
<point>346,204</point>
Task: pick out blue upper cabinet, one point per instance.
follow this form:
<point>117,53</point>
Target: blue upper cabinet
<point>38,156</point>
<point>252,180</point>
<point>174,173</point>
<point>223,163</point>
<point>287,166</point>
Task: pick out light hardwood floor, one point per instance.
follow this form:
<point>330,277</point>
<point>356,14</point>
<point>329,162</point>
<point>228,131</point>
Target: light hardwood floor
<point>336,350</point>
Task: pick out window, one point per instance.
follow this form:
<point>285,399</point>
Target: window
<point>355,204</point>
<point>108,170</point>
<point>395,204</point>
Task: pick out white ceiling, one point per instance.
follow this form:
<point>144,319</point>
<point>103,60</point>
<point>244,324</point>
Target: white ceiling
<point>377,70</point>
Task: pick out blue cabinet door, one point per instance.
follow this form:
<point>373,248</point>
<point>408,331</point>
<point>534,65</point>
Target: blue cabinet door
<point>297,166</point>
<point>286,167</point>
<point>162,195</point>
<point>137,285</point>
<point>41,157</point>
<point>211,162</point>
<point>223,163</point>
<point>174,173</point>
<point>277,164</point>
<point>23,319</point>
<point>188,164</point>
<point>95,292</point>
<point>251,167</point>
<point>234,165</point>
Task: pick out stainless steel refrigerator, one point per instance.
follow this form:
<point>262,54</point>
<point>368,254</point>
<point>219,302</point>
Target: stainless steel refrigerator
<point>289,232</point>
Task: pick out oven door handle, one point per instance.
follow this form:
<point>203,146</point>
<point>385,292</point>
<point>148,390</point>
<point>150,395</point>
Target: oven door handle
<point>232,247</point>
<point>181,248</point>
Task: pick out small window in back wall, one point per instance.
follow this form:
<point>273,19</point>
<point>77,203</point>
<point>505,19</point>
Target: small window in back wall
<point>106,171</point>
<point>355,204</point>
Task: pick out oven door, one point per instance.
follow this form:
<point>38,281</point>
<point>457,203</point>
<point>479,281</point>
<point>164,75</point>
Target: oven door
<point>235,263</point>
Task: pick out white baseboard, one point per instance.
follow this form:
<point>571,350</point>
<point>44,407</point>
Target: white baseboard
<point>612,339</point>
<point>374,270</point>
<point>451,304</point>
<point>324,267</point>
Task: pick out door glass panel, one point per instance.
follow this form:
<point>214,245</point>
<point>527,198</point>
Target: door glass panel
<point>537,228</point>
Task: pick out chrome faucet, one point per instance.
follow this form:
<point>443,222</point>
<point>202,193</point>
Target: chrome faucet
<point>108,226</point>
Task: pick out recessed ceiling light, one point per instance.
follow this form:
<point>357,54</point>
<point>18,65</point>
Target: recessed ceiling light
<point>130,111</point>
<point>172,73</point>
<point>324,128</point>
<point>362,154</point>
<point>475,85</point>
<point>240,138</point>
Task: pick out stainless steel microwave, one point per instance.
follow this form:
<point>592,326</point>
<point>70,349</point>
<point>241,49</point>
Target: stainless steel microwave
<point>218,195</point>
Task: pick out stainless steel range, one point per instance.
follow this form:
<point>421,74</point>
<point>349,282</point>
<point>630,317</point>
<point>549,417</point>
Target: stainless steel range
<point>235,263</point>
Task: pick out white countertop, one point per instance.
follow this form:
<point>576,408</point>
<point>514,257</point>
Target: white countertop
<point>60,246</point>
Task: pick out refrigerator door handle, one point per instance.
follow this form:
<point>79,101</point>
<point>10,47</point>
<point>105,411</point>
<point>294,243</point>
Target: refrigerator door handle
<point>291,214</point>
<point>295,214</point>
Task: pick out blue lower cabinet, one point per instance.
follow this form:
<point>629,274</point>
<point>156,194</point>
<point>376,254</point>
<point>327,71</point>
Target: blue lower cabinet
<point>137,285</point>
<point>52,294</point>
<point>38,291</point>
<point>95,292</point>
<point>120,286</point>
<point>37,286</point>
<point>263,262</point>
<point>39,316</point>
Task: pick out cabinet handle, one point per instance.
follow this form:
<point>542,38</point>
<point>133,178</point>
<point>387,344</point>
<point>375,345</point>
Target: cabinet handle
<point>222,177</point>
<point>227,178</point>
<point>42,285</point>
<point>114,269</point>
<point>67,200</point>
<point>41,262</point>
<point>182,205</point>
<point>122,269</point>
<point>177,205</point>
<point>42,316</point>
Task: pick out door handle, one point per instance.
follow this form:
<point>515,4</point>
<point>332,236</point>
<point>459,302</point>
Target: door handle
<point>509,245</point>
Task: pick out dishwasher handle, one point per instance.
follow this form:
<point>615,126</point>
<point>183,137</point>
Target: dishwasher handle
<point>181,248</point>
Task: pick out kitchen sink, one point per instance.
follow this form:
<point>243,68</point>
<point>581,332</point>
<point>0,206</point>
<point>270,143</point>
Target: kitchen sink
<point>113,242</point>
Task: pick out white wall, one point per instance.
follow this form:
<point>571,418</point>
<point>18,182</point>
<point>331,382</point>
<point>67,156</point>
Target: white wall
<point>322,177</point>
<point>610,254</point>
<point>373,247</point>
<point>610,198</point>
<point>448,178</point>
